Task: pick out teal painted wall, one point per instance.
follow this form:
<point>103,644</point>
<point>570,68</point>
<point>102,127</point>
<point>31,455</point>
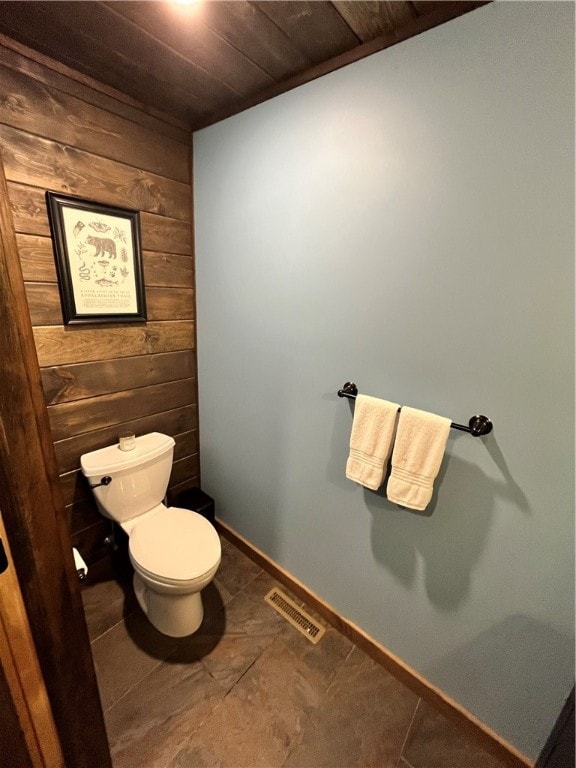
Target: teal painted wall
<point>408,222</point>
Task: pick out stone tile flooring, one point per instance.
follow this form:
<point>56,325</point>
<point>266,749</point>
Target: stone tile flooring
<point>248,690</point>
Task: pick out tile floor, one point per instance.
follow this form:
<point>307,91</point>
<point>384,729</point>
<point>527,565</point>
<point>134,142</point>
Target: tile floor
<point>248,690</point>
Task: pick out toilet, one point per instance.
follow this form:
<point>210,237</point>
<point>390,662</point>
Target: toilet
<point>175,552</point>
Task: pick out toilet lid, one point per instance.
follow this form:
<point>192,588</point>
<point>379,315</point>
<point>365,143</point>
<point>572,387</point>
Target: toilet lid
<point>175,544</point>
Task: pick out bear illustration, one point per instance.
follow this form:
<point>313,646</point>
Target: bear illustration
<point>103,245</point>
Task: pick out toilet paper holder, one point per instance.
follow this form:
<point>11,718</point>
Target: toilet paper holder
<point>81,567</point>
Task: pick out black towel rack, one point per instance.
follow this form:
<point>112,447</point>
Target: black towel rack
<point>477,426</point>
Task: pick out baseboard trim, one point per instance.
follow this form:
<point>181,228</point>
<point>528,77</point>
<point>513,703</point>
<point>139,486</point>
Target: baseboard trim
<point>490,740</point>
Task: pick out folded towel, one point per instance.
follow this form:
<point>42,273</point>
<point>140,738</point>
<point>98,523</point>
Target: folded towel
<point>418,451</point>
<point>371,440</point>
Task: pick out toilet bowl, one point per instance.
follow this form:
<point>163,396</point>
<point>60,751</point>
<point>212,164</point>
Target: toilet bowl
<point>175,552</point>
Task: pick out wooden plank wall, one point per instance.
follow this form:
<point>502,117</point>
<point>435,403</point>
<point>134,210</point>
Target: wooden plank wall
<point>58,133</point>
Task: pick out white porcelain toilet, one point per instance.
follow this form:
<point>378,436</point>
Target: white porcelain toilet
<point>175,552</point>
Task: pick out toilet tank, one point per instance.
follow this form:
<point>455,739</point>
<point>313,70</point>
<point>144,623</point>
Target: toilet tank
<point>139,478</point>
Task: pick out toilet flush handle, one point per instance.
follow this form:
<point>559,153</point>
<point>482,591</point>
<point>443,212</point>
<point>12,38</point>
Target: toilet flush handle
<point>106,480</point>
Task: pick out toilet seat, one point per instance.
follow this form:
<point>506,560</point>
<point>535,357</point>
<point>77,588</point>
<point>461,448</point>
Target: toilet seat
<point>165,585</point>
<point>174,546</point>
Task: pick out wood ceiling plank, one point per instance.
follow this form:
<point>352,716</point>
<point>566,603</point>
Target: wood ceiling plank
<point>316,28</point>
<point>424,7</point>
<point>289,42</point>
<point>250,30</point>
<point>181,28</point>
<point>369,18</point>
<point>151,55</point>
<point>94,39</point>
<point>421,24</point>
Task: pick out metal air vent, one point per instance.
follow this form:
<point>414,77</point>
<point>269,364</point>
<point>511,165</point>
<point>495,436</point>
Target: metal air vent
<point>287,608</point>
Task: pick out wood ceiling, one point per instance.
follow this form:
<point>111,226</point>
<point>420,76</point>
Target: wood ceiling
<point>206,61</point>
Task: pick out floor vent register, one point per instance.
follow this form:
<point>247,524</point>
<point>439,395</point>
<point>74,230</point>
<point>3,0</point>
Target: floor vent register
<point>303,622</point>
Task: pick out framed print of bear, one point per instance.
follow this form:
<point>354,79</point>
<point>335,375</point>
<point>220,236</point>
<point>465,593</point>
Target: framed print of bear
<point>98,256</point>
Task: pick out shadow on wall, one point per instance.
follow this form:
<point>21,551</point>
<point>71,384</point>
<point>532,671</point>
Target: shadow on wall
<point>541,664</point>
<point>455,537</point>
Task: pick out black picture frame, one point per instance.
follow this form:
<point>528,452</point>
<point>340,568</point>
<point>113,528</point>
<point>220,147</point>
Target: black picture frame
<point>97,249</point>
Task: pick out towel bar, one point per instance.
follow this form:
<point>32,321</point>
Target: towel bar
<point>477,426</point>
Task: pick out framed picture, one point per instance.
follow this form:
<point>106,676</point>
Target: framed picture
<point>98,261</point>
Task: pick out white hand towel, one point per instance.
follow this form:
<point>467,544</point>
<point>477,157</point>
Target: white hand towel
<point>418,452</point>
<point>371,440</point>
